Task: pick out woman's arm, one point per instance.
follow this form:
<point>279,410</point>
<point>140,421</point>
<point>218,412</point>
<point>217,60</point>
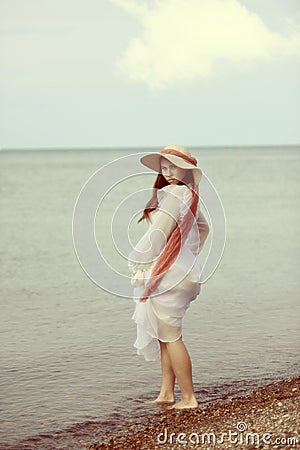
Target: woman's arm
<point>203,229</point>
<point>153,242</point>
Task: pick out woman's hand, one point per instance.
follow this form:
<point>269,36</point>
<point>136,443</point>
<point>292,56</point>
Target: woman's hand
<point>143,299</point>
<point>137,279</point>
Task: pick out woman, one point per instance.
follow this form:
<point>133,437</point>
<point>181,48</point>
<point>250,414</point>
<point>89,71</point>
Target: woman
<point>165,270</point>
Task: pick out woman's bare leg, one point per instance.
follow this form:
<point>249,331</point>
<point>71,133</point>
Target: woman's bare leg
<point>166,394</point>
<point>182,368</point>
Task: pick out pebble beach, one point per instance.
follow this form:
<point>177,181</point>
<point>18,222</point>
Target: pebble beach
<point>266,418</point>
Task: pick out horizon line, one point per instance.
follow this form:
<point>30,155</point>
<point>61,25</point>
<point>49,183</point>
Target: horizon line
<point>136,147</point>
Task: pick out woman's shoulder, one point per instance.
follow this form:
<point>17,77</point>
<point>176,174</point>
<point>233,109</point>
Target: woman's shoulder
<point>178,190</point>
<point>172,192</point>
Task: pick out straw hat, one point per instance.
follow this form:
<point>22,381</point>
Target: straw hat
<point>177,155</point>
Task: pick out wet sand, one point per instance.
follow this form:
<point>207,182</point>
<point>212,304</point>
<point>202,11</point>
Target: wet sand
<point>266,418</point>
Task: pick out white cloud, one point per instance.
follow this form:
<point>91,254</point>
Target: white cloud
<point>182,40</point>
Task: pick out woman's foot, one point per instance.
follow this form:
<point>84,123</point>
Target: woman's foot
<point>170,399</point>
<point>186,404</point>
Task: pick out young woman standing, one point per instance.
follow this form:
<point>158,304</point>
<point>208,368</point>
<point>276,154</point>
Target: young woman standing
<point>165,270</point>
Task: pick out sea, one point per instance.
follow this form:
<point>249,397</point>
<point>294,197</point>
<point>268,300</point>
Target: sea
<point>69,372</point>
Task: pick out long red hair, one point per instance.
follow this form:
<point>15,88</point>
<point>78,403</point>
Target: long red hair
<point>178,235</point>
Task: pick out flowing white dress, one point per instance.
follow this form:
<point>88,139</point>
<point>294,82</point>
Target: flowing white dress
<point>160,317</point>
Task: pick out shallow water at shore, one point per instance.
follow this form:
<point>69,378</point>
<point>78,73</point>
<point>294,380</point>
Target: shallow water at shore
<point>145,417</point>
<point>66,353</point>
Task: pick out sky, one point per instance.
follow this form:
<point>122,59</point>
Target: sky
<point>138,73</point>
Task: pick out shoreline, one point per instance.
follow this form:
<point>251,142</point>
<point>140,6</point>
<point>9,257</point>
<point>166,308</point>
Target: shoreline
<point>261,416</point>
<point>268,417</point>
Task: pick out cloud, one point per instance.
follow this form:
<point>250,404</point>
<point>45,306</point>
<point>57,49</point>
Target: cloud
<point>183,40</point>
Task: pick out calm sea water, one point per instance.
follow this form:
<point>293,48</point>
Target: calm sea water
<point>66,345</point>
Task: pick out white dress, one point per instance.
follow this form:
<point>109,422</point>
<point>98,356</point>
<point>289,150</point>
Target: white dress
<point>160,317</point>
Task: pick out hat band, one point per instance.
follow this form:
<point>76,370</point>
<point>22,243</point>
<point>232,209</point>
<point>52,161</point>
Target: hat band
<point>187,158</point>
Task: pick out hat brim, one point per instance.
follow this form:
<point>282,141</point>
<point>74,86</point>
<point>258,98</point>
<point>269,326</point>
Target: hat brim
<point>152,160</point>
